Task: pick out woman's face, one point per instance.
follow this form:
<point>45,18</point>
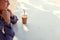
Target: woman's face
<point>4,4</point>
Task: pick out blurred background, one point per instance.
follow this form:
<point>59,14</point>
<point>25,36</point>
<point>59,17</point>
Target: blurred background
<point>43,22</point>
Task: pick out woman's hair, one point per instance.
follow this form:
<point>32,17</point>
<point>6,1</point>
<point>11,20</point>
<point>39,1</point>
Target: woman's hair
<point>8,3</point>
<point>0,12</point>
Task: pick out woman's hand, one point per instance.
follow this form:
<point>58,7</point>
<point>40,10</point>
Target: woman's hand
<point>6,16</point>
<point>11,14</point>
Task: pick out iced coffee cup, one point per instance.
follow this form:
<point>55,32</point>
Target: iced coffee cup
<point>24,19</point>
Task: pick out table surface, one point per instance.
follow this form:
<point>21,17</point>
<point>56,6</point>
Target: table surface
<point>41,25</point>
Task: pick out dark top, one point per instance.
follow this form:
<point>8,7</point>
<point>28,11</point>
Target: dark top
<point>9,33</point>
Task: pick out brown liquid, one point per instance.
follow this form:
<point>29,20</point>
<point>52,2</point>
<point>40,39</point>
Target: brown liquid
<point>24,19</point>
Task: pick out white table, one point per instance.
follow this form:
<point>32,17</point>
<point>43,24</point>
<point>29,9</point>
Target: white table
<point>41,25</point>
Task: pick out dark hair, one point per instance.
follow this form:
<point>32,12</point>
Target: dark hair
<point>0,12</point>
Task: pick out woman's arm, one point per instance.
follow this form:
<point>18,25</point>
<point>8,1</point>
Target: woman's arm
<point>6,16</point>
<point>13,18</point>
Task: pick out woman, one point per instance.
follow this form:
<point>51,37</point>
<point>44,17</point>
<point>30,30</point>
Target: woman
<point>5,21</point>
